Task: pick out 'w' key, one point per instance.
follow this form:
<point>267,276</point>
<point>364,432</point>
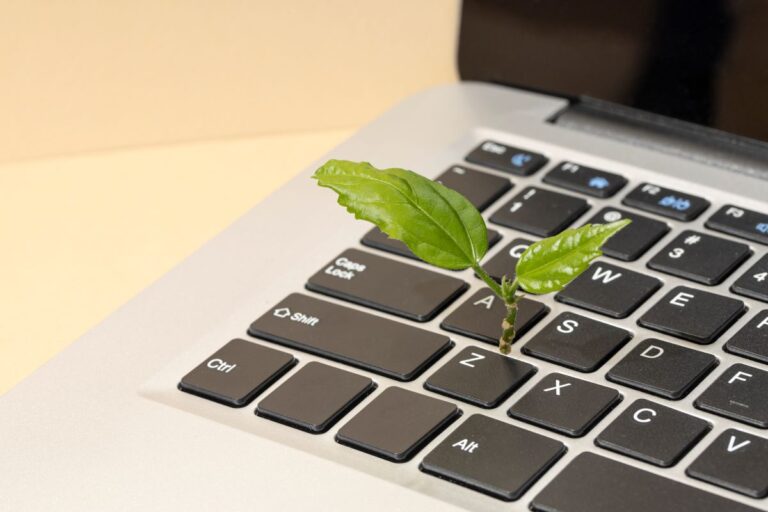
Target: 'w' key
<point>610,290</point>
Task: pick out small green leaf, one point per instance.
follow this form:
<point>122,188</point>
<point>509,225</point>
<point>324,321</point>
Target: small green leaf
<point>438,224</point>
<point>550,264</point>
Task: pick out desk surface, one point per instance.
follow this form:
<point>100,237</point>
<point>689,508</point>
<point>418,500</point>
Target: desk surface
<point>81,235</point>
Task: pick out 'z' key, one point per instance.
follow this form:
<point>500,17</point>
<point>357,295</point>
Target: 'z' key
<point>386,285</point>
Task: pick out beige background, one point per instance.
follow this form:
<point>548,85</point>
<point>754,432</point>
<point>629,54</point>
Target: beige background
<point>131,132</point>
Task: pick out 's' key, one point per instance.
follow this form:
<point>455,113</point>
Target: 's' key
<point>397,424</point>
<point>540,212</point>
<point>359,339</point>
<point>386,285</point>
<point>740,394</point>
<point>577,342</point>
<point>693,315</point>
<point>237,373</point>
<point>741,222</point>
<point>736,461</point>
<point>591,483</point>
<point>664,201</point>
<point>493,457</point>
<point>700,257</point>
<point>478,317</point>
<point>480,377</point>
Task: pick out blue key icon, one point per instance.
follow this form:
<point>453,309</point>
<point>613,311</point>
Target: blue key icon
<point>599,183</point>
<point>520,159</point>
<point>762,228</point>
<point>676,203</point>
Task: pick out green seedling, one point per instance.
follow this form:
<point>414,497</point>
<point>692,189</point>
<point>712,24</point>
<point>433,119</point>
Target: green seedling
<point>441,227</point>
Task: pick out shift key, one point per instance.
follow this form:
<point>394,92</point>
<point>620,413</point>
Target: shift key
<point>364,340</point>
<point>387,285</point>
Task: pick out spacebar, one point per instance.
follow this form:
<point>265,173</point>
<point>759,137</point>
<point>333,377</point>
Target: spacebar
<point>344,334</point>
<point>591,483</point>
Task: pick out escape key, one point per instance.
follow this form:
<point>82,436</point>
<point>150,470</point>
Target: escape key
<point>507,158</point>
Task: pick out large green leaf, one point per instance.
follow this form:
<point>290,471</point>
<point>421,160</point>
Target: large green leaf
<point>438,224</point>
<point>550,264</point>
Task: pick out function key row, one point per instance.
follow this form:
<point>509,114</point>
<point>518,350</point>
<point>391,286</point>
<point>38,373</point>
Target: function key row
<point>731,219</point>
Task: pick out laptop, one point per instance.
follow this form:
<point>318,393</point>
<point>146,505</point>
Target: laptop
<point>303,361</point>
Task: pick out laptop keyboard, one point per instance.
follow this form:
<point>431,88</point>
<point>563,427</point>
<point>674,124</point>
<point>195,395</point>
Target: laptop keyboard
<point>503,458</point>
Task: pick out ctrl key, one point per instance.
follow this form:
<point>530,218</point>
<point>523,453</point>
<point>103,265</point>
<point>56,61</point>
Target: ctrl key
<point>237,373</point>
<point>493,457</point>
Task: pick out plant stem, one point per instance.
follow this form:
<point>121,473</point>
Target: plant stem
<point>510,298</point>
<point>492,284</point>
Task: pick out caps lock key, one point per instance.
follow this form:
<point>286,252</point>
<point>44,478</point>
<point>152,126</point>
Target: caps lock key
<point>386,285</point>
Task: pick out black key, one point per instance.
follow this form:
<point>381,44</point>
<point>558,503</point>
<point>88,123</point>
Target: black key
<point>736,461</point>
<point>609,290</point>
<point>662,369</point>
<point>634,240</point>
<point>540,212</point>
<point>367,341</point>
<point>653,433</point>
<point>699,257</point>
<point>480,188</point>
<point>667,202</point>
<point>386,285</point>
<point>754,282</point>
<point>503,263</point>
<point>480,377</point>
<point>577,342</point>
<point>587,180</point>
<point>397,424</point>
<point>741,222</point>
<point>378,240</point>
<point>480,317</point>
<point>315,397</point>
<point>507,158</point>
<point>564,404</point>
<point>693,315</point>
<point>740,394</point>
<point>237,373</point>
<point>752,340</point>
<point>591,483</point>
<point>493,457</point>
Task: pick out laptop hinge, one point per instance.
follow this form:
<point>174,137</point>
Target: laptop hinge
<point>640,128</point>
